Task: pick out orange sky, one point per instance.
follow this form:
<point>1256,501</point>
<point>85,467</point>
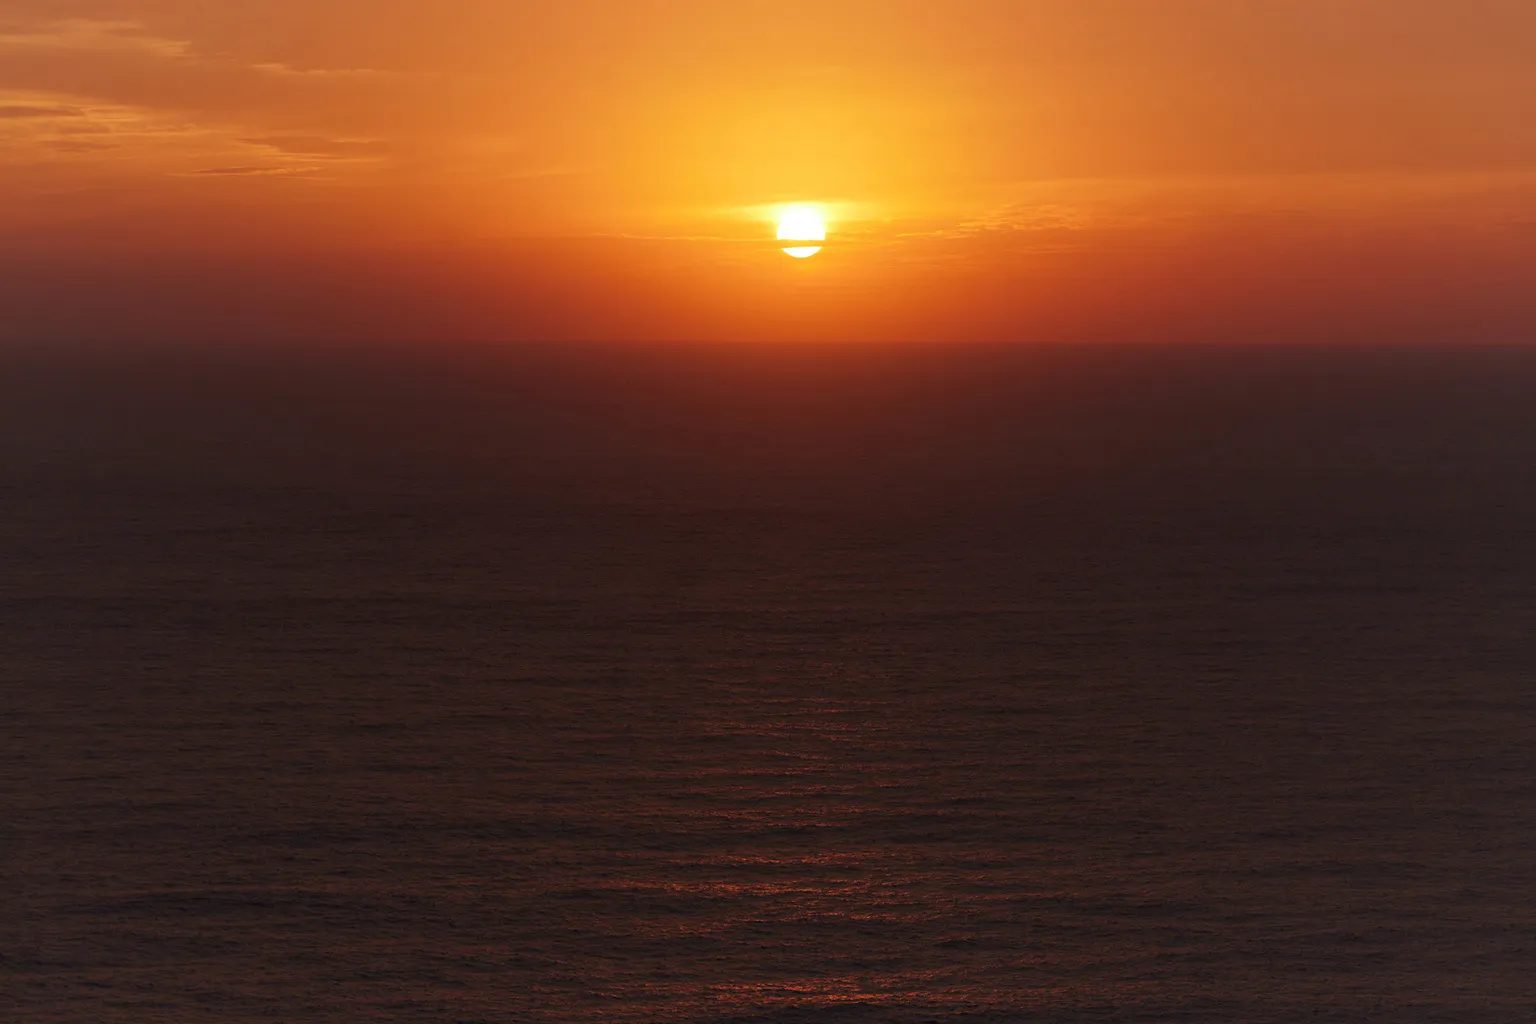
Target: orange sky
<point>1000,169</point>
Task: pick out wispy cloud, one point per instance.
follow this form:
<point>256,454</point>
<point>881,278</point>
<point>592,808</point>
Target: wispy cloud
<point>287,71</point>
<point>63,137</point>
<point>19,111</point>
<point>254,170</point>
<point>92,35</point>
<point>322,146</point>
<point>101,36</point>
<point>100,100</point>
<point>126,60</point>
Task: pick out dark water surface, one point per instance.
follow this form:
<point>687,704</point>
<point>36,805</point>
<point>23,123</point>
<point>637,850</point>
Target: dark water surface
<point>811,686</point>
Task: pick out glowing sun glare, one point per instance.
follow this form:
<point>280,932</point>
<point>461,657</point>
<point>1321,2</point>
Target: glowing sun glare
<point>801,224</point>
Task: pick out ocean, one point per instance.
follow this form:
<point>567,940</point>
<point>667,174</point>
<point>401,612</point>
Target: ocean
<point>776,685</point>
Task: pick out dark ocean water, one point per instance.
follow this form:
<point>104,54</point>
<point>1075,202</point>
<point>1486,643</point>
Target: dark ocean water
<point>846,685</point>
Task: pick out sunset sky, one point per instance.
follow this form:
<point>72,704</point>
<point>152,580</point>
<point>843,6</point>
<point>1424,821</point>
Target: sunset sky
<point>1031,170</point>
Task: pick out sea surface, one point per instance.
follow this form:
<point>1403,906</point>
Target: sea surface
<point>793,686</point>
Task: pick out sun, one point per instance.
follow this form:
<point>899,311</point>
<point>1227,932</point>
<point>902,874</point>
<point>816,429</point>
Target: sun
<point>801,224</point>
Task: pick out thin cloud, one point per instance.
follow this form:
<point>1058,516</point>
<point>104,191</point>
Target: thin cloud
<point>21,112</point>
<point>255,171</point>
<point>287,71</point>
<point>77,146</point>
<point>93,36</point>
<point>98,36</point>
<point>318,145</point>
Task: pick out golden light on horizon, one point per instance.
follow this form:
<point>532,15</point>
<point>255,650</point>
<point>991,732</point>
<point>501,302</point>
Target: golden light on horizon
<point>802,224</point>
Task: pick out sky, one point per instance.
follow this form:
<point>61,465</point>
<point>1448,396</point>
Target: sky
<point>1000,170</point>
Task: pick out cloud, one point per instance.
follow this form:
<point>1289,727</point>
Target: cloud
<point>77,146</point>
<point>254,170</point>
<point>1026,217</point>
<point>54,143</point>
<point>288,71</point>
<point>319,145</point>
<point>113,109</point>
<point>85,34</point>
<point>21,111</point>
<point>126,63</point>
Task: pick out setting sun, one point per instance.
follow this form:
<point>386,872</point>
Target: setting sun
<point>801,224</point>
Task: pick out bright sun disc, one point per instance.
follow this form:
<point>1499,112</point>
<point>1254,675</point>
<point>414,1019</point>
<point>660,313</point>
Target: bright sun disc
<point>801,224</point>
